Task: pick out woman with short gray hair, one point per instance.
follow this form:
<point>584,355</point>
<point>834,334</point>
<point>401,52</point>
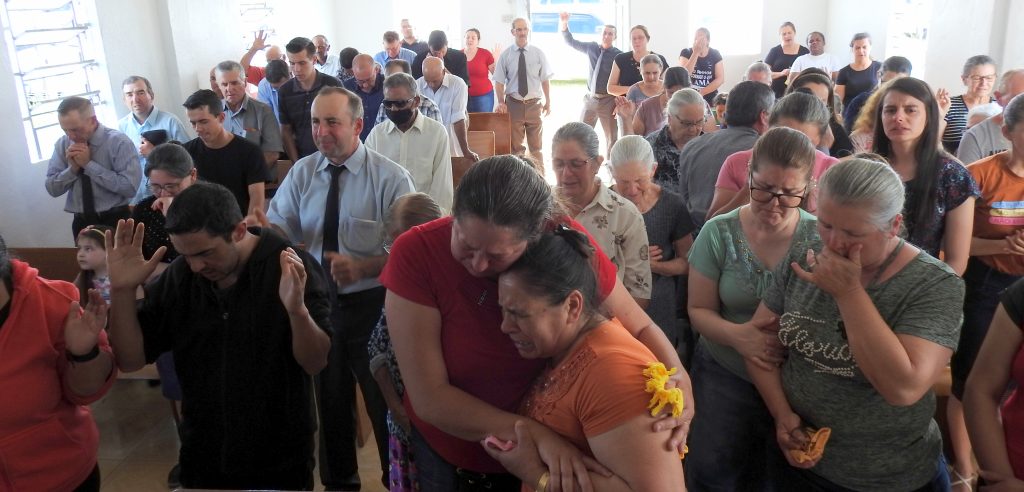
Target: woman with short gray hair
<point>668,224</point>
<point>686,115</point>
<point>869,322</point>
<point>614,222</point>
<point>979,76</point>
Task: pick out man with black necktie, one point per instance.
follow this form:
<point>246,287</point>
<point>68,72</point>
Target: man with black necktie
<point>521,74</point>
<point>597,104</point>
<point>334,201</point>
<point>97,167</point>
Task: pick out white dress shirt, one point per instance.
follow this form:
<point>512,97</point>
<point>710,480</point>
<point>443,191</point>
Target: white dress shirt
<point>423,151</point>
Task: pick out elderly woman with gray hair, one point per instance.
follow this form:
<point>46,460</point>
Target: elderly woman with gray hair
<point>650,114</point>
<point>686,115</point>
<point>669,229</point>
<point>614,222</point>
<point>869,322</point>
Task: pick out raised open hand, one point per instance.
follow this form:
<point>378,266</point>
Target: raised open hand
<point>126,266</point>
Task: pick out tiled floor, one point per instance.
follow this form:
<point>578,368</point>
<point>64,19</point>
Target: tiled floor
<point>139,445</point>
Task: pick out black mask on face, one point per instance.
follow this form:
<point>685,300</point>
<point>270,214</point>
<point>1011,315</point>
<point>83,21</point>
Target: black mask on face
<point>398,116</point>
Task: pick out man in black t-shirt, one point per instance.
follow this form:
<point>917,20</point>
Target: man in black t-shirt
<point>296,96</point>
<point>221,157</point>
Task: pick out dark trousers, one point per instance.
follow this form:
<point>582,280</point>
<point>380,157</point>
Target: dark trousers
<point>732,439</point>
<point>107,218</point>
<point>353,317</point>
<point>982,288</point>
<point>91,483</point>
<point>434,474</point>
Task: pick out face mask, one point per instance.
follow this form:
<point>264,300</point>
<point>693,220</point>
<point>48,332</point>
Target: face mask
<point>398,116</point>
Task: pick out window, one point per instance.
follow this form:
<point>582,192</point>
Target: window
<point>255,17</point>
<point>55,52</point>
<point>908,32</point>
<point>735,33</point>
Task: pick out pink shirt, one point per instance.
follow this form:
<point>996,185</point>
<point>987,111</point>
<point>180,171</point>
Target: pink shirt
<point>735,171</point>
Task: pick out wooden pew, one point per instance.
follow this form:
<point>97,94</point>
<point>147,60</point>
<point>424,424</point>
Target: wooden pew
<point>494,122</point>
<point>481,142</point>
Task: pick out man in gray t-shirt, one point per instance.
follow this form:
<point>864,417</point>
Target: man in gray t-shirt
<point>746,118</point>
<point>874,445</point>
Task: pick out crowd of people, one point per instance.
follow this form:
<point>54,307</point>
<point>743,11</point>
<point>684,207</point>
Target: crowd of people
<point>763,299</point>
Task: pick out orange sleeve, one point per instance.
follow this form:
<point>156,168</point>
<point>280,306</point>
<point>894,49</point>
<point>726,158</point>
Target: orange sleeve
<point>612,390</point>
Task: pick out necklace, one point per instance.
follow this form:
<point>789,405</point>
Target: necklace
<point>888,261</point>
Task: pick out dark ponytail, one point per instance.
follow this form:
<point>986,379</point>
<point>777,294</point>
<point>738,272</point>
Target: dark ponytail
<point>558,263</point>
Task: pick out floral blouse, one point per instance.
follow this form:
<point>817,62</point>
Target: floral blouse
<point>618,228</point>
<point>955,186</point>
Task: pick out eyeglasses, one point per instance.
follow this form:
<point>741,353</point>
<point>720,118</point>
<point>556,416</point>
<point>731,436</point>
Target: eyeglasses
<point>574,163</point>
<point>690,124</point>
<point>786,200</point>
<point>396,103</point>
<point>169,187</point>
<point>979,78</point>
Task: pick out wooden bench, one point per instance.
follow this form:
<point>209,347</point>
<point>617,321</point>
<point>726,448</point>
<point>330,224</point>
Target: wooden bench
<point>498,123</point>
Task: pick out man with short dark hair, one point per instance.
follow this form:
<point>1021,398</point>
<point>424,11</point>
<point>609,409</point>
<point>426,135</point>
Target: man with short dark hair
<point>275,76</point>
<point>893,68</point>
<point>746,115</point>
<point>97,167</point>
<point>246,316</point>
<point>326,62</point>
<point>415,142</point>
<point>409,40</point>
<point>223,158</point>
<point>368,84</point>
<point>454,60</point>
<point>393,50</point>
<point>144,117</point>
<point>334,201</point>
<point>245,116</point>
<point>297,94</point>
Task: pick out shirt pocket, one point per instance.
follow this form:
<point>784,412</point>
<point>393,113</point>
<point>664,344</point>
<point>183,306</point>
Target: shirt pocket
<point>361,237</point>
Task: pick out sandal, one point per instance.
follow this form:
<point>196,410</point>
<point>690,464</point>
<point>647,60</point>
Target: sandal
<point>968,481</point>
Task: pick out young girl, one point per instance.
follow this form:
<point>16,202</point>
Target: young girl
<point>92,259</point>
<point>408,211</point>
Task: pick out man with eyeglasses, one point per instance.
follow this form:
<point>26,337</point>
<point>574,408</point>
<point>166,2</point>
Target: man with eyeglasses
<point>454,60</point>
<point>224,158</point>
<point>368,84</point>
<point>334,202</point>
<point>417,143</point>
<point>597,104</point>
<point>746,115</point>
<point>296,96</point>
<point>145,116</point>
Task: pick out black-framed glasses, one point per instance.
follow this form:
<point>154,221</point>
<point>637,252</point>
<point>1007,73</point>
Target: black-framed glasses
<point>169,187</point>
<point>690,124</point>
<point>786,200</point>
<point>397,103</point>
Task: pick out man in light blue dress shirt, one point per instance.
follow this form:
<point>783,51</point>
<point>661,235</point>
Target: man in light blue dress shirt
<point>275,76</point>
<point>95,166</point>
<point>393,50</point>
<point>138,96</point>
<point>521,77</point>
<point>352,256</point>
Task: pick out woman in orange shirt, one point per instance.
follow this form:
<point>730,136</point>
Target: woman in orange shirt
<point>593,393</point>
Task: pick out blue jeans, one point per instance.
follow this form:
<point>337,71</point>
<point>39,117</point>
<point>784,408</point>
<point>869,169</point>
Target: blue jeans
<point>982,285</point>
<point>732,437</point>
<point>797,479</point>
<point>481,104</point>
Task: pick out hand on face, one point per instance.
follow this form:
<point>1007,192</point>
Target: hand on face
<point>831,271</point>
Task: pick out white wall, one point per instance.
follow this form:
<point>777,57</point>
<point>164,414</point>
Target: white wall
<point>175,42</point>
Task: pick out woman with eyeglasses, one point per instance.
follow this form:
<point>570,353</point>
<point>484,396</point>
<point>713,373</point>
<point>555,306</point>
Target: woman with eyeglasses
<point>613,221</point>
<point>733,261</point>
<point>979,76</point>
<point>686,114</point>
<point>801,112</point>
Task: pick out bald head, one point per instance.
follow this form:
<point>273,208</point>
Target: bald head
<point>1010,85</point>
<point>362,62</point>
<point>433,69</point>
<point>274,53</point>
<point>365,71</point>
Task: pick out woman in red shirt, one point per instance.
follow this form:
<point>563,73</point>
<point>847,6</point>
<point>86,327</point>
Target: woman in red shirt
<point>54,361</point>
<point>480,65</point>
<point>464,378</point>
